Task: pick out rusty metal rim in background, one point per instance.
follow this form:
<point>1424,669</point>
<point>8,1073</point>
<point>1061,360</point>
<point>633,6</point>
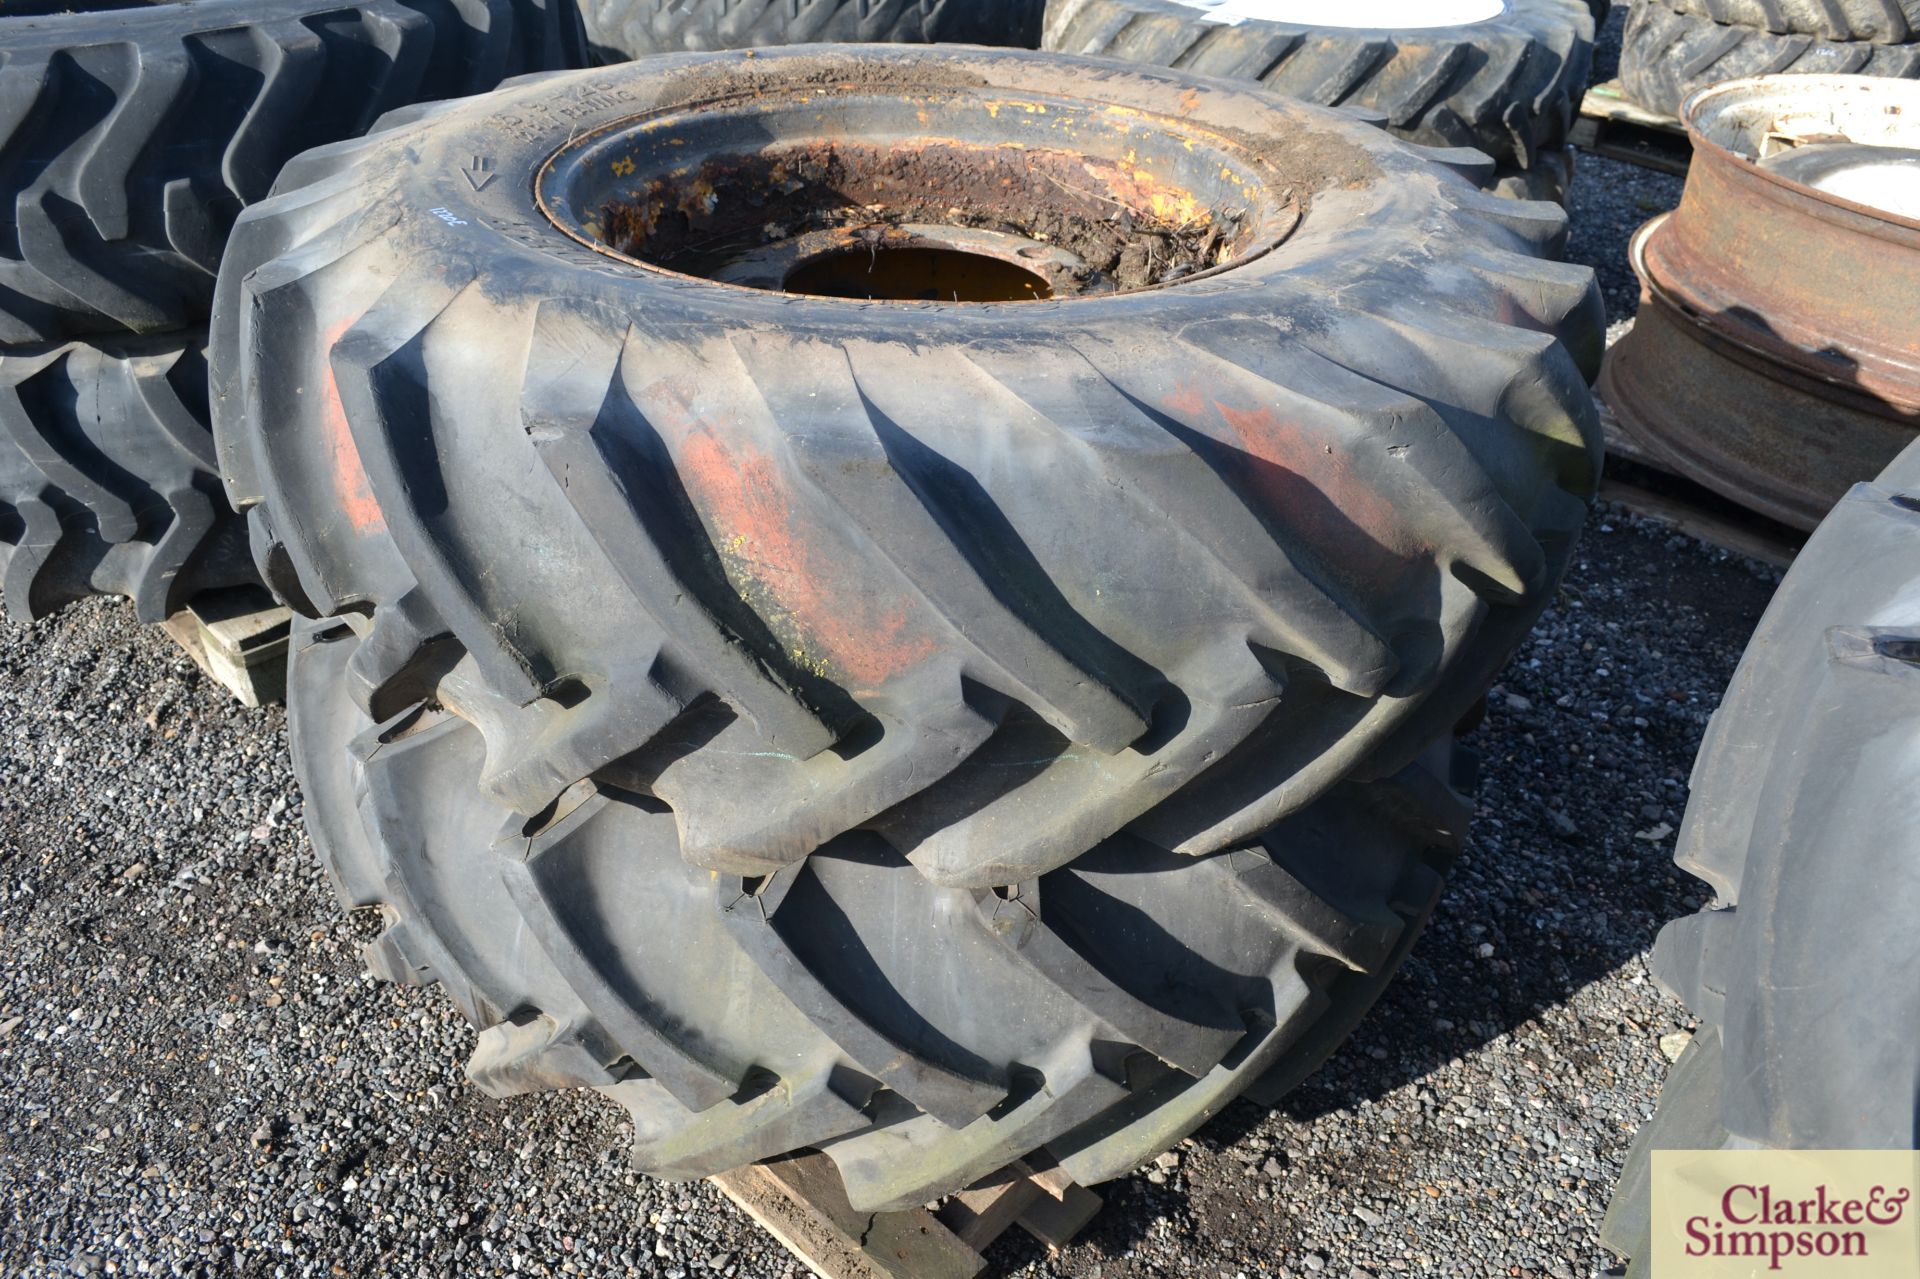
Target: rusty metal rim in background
<point>1689,113</point>
<point>1782,362</point>
<point>1794,273</point>
<point>1672,384</point>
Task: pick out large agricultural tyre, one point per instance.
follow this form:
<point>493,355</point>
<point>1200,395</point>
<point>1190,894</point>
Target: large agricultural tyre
<point>1108,472</point>
<point>922,1036</point>
<point>1878,21</point>
<point>1667,57</point>
<point>1501,76</point>
<point>1805,821</point>
<point>131,134</point>
<point>620,29</point>
<point>107,478</point>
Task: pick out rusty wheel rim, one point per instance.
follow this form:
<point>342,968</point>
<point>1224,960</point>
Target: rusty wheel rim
<point>1068,198</point>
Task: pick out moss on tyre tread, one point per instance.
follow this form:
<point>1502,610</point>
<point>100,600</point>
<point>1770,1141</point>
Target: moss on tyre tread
<point>1806,968</point>
<point>1508,86</point>
<point>810,1017</point>
<point>1879,21</point>
<point>1666,57</point>
<point>776,545</point>
<point>641,28</point>
<point>107,478</point>
<point>131,136</point>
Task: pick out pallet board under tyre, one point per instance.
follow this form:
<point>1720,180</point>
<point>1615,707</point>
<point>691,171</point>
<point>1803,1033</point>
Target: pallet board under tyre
<point>1615,126</point>
<point>800,1200</point>
<point>238,638</point>
<point>1688,508</point>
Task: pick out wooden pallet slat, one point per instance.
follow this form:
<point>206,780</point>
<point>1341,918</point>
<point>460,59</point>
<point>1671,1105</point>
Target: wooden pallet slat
<point>1054,1222</point>
<point>238,637</point>
<point>1684,517</point>
<point>1613,125</point>
<point>800,1201</point>
<point>983,1212</point>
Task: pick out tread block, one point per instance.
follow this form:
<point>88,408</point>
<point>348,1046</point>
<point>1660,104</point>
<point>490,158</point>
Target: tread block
<point>534,1051</point>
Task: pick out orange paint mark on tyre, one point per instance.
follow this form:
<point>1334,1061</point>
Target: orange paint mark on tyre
<point>351,487</point>
<point>835,627</point>
<point>1308,485</point>
<point>1187,401</point>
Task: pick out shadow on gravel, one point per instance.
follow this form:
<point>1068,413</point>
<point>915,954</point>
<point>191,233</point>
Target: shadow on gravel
<point>1567,875</point>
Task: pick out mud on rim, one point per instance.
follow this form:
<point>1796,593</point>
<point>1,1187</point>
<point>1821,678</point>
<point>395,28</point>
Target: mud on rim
<point>915,196</point>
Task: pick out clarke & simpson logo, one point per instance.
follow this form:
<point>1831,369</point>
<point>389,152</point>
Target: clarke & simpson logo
<point>1789,1213</point>
<point>1755,1221</point>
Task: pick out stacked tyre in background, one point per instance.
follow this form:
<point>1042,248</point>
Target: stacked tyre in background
<point>1674,48</point>
<point>1504,77</point>
<point>1501,76</point>
<point>931,652</point>
<point>131,136</point>
<point>623,29</point>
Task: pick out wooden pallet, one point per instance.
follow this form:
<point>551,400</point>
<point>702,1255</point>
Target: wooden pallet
<point>238,636</point>
<point>800,1201</point>
<point>1613,125</point>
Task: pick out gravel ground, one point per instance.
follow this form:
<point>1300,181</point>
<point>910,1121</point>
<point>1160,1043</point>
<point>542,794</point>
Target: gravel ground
<point>199,1079</point>
<point>1611,200</point>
